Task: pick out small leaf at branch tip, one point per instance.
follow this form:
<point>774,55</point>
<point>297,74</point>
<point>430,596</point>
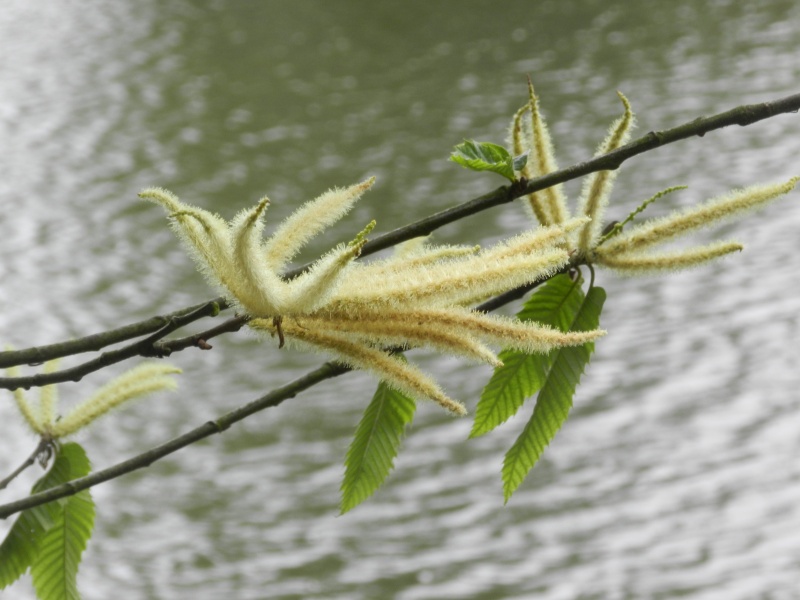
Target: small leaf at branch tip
<point>214,309</point>
<point>484,156</point>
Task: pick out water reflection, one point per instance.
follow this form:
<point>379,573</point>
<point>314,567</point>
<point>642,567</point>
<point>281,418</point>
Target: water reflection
<point>675,474</point>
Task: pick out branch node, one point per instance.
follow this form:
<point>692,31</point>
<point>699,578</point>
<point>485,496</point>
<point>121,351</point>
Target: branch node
<point>216,425</point>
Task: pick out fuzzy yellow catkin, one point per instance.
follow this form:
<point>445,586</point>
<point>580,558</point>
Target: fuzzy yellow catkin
<point>207,238</point>
<point>680,223</point>
<point>641,263</point>
<point>464,323</point>
<point>383,330</point>
<point>398,374</point>
<point>139,381</point>
<point>263,284</point>
<point>597,186</point>
<point>520,135</point>
<point>31,416</point>
<point>48,400</point>
<point>314,287</point>
<point>309,220</point>
<point>417,252</point>
<point>449,283</point>
<point>516,261</point>
<point>545,159</point>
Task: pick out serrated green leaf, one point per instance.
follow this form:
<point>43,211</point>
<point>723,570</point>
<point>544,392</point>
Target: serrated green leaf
<point>375,444</point>
<point>555,303</point>
<point>55,568</point>
<point>555,398</point>
<point>484,156</point>
<point>22,545</point>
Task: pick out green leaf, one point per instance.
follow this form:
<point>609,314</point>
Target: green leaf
<point>376,442</point>
<point>485,156</point>
<point>520,161</point>
<point>555,398</point>
<point>555,303</point>
<point>55,568</point>
<point>23,544</point>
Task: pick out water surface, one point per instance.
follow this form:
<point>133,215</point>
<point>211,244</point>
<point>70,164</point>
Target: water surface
<point>675,474</point>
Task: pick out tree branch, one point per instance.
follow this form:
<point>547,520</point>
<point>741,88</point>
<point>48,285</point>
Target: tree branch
<point>145,347</point>
<point>98,341</point>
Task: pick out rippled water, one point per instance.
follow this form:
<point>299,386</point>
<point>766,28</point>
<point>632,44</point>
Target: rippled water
<point>676,473</point>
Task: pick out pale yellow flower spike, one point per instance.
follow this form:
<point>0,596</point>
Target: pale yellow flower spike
<point>451,283</point>
<point>515,137</point>
<point>680,223</point>
<point>309,220</point>
<point>139,381</point>
<point>382,330</point>
<point>163,197</point>
<point>315,287</point>
<point>48,400</point>
<point>265,290</point>
<point>542,161</point>
<point>641,263</point>
<point>207,237</point>
<point>205,234</point>
<point>539,239</point>
<point>519,140</point>
<point>527,337</point>
<point>397,373</point>
<point>467,324</point>
<point>31,415</point>
<point>417,251</point>
<point>461,280</point>
<point>597,186</point>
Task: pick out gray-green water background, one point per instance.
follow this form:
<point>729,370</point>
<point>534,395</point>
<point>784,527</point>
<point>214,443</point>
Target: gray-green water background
<point>677,473</point>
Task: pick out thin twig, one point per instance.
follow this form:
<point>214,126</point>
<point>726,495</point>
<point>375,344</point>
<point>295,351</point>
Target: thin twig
<point>92,343</point>
<point>145,347</point>
<point>199,339</point>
